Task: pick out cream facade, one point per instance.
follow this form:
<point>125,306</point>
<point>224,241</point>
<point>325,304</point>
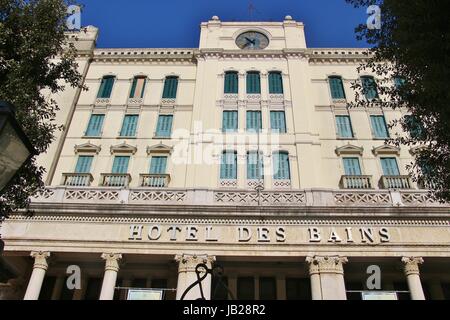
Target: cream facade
<point>142,196</point>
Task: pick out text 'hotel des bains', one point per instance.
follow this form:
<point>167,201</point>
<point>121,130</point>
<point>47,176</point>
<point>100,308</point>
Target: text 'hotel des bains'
<point>241,153</point>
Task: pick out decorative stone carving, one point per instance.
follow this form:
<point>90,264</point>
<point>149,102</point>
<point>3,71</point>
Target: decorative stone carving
<point>386,149</point>
<point>188,262</point>
<point>326,264</point>
<point>411,265</point>
<point>87,147</point>
<point>40,259</point>
<point>158,196</point>
<point>112,261</point>
<point>123,148</point>
<point>352,198</point>
<point>349,149</point>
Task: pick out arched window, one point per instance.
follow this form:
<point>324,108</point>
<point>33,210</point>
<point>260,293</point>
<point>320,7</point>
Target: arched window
<point>253,82</point>
<point>275,82</point>
<point>106,87</point>
<point>336,87</point>
<point>231,82</point>
<point>369,87</point>
<point>281,166</point>
<point>228,166</point>
<point>170,87</point>
<point>138,87</point>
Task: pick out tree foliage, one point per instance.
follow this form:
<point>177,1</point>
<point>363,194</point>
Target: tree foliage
<point>413,45</point>
<point>35,61</point>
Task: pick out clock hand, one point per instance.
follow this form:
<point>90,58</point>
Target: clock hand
<point>252,41</point>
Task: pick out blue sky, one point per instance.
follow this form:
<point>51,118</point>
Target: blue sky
<point>175,23</point>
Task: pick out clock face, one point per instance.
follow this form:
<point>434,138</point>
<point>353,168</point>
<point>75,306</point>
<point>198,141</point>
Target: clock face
<point>252,40</point>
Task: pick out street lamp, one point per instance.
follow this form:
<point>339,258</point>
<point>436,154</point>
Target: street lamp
<point>15,148</point>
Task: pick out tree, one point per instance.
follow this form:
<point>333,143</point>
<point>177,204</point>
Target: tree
<point>410,55</point>
<point>35,60</point>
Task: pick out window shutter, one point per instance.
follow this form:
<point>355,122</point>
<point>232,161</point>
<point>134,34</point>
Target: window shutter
<point>231,82</point>
<point>158,165</point>
<point>281,166</point>
<point>228,169</point>
<point>138,87</point>
<point>253,83</point>
<point>379,127</point>
<point>278,121</point>
<point>254,166</point>
<point>170,88</point>
<point>95,125</point>
<point>164,127</point>
<point>369,87</point>
<point>106,87</point>
<point>337,88</point>
<point>254,120</point>
<point>275,83</point>
<point>129,126</point>
<point>390,167</point>
<point>230,120</point>
<point>344,127</point>
<point>84,164</point>
<point>120,165</point>
<point>352,167</point>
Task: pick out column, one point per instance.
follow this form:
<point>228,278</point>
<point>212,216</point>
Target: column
<point>40,266</point>
<point>187,276</point>
<point>110,277</point>
<point>327,277</point>
<point>411,268</point>
<point>57,288</point>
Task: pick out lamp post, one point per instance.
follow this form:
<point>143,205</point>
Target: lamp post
<point>15,148</point>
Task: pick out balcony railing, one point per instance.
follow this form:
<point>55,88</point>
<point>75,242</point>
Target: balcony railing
<point>396,182</point>
<point>77,179</point>
<point>356,182</point>
<point>115,180</point>
<point>155,180</point>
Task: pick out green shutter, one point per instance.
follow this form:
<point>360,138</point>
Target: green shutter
<point>337,88</point>
<point>253,83</point>
<point>158,165</point>
<point>278,121</point>
<point>106,87</point>
<point>390,167</point>
<point>164,127</point>
<point>231,82</point>
<point>129,126</point>
<point>230,121</point>
<point>84,164</point>
<point>344,127</point>
<point>275,83</point>
<point>170,88</point>
<point>281,166</point>
<point>254,166</point>
<point>369,87</point>
<point>254,121</point>
<point>95,125</point>
<point>120,165</point>
<point>228,167</point>
<point>379,127</point>
<point>352,167</point>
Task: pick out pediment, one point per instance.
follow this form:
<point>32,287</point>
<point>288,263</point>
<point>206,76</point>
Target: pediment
<point>386,149</point>
<point>123,148</point>
<point>416,150</point>
<point>87,147</point>
<point>349,149</point>
<point>159,148</point>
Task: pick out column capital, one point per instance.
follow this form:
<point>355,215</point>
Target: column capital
<point>326,264</point>
<point>411,265</point>
<point>40,259</point>
<point>188,262</point>
<point>112,261</point>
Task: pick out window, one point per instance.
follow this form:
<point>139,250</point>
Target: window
<point>255,163</point>
<point>245,288</point>
<point>379,127</point>
<point>129,126</point>
<point>84,164</point>
<point>336,87</point>
<point>231,82</point>
<point>95,125</point>
<point>416,129</point>
<point>298,289</point>
<point>267,289</point>
<point>164,127</point>
<point>106,87</point>
<point>369,87</point>
<point>281,167</point>
<point>158,165</point>
<point>254,121</point>
<point>228,166</point>
<point>390,167</point>
<point>344,127</point>
<point>399,82</point>
<point>275,83</point>
<point>253,82</point>
<point>278,121</point>
<point>230,121</point>
<point>352,167</point>
<point>138,87</point>
<point>120,165</point>
<point>170,88</point>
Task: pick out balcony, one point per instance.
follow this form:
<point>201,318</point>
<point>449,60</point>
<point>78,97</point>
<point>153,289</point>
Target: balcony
<point>155,180</point>
<point>356,182</point>
<point>395,182</point>
<point>115,180</point>
<point>77,179</point>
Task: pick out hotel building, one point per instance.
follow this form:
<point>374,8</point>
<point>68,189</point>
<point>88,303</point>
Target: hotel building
<point>241,153</point>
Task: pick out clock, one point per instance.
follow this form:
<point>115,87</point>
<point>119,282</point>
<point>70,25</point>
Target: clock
<point>252,40</point>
